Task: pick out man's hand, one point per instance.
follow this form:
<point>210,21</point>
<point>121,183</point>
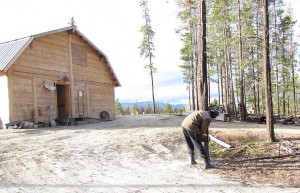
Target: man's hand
<point>204,138</point>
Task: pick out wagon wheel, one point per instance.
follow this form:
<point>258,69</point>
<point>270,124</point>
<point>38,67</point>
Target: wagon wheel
<point>104,116</point>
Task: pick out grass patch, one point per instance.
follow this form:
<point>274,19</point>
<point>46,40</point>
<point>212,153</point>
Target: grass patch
<point>246,145</point>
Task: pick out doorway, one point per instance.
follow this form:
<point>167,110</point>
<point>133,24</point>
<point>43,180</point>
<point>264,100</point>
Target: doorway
<point>63,101</point>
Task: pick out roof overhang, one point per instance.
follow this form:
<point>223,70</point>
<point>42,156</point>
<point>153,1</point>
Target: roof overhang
<point>10,51</point>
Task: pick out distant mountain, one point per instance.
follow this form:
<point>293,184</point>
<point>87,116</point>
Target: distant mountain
<point>146,103</point>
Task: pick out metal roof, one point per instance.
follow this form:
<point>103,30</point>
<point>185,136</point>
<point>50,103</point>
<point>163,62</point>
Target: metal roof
<point>10,51</point>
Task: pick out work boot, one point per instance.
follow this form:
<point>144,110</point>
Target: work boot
<point>193,162</point>
<point>207,164</point>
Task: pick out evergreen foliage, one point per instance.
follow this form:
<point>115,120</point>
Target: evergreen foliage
<point>147,44</point>
<point>226,60</point>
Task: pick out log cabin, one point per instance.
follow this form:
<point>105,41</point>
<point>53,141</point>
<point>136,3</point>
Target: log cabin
<point>53,75</point>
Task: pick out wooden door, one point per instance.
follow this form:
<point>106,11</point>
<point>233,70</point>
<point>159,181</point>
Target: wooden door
<point>63,101</point>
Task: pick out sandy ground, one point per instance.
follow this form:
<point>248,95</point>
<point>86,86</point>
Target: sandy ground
<point>143,153</point>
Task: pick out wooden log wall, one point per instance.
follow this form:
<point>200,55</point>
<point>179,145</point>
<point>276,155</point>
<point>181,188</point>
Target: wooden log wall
<point>45,60</point>
<point>99,85</point>
<point>101,99</point>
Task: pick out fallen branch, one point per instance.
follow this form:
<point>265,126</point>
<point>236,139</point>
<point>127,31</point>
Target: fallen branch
<point>244,147</point>
<point>267,157</point>
<point>218,141</point>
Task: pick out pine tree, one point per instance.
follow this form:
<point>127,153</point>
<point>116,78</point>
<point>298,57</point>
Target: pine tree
<point>168,108</point>
<point>147,45</point>
<point>119,109</point>
<point>267,74</point>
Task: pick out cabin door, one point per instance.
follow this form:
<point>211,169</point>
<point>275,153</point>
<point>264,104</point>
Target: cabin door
<point>63,101</point>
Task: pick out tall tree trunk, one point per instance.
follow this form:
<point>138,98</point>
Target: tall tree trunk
<point>154,105</point>
<point>190,87</point>
<point>258,57</point>
<point>202,70</point>
<point>293,77</point>
<point>283,84</point>
<point>202,65</point>
<point>194,61</point>
<point>193,84</point>
<point>258,88</point>
<point>232,87</point>
<point>276,64</point>
<point>190,102</point>
<point>277,84</point>
<point>226,72</point>
<point>254,82</point>
<point>222,85</point>
<point>196,86</point>
<point>152,84</point>
<point>242,103</point>
<point>236,85</point>
<point>294,89</point>
<point>267,71</point>
<point>208,83</point>
<point>288,105</point>
<point>218,76</point>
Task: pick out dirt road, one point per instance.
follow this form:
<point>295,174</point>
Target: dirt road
<point>144,153</point>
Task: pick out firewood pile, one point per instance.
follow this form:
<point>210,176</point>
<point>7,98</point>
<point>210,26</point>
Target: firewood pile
<point>286,120</point>
<point>261,119</point>
<point>25,125</point>
<point>256,118</point>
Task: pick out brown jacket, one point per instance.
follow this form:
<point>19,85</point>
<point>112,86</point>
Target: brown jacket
<point>198,122</point>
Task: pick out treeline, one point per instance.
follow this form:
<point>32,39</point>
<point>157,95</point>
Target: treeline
<point>235,54</point>
<point>135,109</point>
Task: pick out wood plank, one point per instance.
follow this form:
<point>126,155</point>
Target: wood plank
<point>76,39</point>
<point>62,35</point>
<point>43,67</point>
<point>93,75</point>
<point>29,72</point>
<point>32,54</point>
<point>55,39</point>
<point>50,59</point>
<point>95,64</point>
<point>39,45</point>
<point>101,99</point>
<point>11,99</point>
<point>35,109</point>
<point>92,83</point>
<point>87,99</point>
<point>93,55</point>
<point>71,78</point>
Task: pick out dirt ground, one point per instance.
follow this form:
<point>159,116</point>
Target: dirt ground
<point>142,153</point>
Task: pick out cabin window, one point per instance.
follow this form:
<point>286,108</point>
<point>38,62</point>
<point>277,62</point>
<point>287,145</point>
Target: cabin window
<point>79,54</point>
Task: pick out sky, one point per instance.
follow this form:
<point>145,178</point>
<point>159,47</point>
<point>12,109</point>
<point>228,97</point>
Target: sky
<point>113,26</point>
